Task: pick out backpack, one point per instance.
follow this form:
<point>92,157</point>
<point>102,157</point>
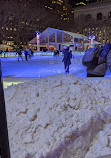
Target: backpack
<point>90,59</point>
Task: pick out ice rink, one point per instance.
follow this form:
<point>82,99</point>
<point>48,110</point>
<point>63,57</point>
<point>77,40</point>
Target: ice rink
<point>40,66</point>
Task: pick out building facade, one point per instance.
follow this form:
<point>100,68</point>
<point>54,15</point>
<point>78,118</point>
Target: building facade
<point>94,19</point>
<point>19,19</point>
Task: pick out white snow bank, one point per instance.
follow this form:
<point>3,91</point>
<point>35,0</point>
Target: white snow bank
<point>61,116</point>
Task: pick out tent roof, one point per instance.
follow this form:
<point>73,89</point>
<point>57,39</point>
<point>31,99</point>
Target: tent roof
<point>5,46</point>
<point>76,35</point>
<point>52,30</point>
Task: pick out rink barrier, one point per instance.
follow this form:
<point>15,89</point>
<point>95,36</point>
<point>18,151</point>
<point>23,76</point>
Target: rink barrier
<point>41,53</point>
<point>4,139</point>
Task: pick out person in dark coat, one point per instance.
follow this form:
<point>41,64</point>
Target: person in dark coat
<point>26,53</point>
<point>31,52</point>
<point>19,54</point>
<point>6,50</point>
<point>67,58</point>
<point>1,52</point>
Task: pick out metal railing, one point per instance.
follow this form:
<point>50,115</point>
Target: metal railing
<point>4,140</point>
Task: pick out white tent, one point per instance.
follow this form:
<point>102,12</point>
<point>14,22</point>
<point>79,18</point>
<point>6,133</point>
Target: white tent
<point>4,46</point>
<point>52,38</point>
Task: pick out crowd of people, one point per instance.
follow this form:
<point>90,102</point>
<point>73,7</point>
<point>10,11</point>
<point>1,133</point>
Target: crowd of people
<point>27,52</point>
<point>3,51</point>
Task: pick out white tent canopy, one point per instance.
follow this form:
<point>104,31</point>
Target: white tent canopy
<point>3,46</point>
<point>53,38</point>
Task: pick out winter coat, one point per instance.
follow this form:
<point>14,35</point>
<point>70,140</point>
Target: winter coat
<point>67,57</point>
<point>103,64</point>
<point>25,52</point>
<point>19,52</point>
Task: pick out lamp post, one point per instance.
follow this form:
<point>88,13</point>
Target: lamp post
<point>38,40</point>
<point>92,38</point>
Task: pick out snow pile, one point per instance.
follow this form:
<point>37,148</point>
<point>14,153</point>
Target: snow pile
<point>62,116</point>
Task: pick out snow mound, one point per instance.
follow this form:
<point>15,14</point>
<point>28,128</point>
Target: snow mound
<point>62,116</point>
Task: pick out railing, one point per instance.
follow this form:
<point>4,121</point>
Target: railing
<point>41,53</point>
<point>4,141</point>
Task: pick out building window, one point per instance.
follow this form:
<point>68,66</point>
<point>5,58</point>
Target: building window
<point>99,16</point>
<point>109,15</point>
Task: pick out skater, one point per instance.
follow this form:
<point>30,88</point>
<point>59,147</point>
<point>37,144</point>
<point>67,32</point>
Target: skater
<point>6,50</point>
<point>26,54</point>
<point>19,54</point>
<point>67,58</point>
<point>4,53</point>
<point>57,53</point>
<point>97,60</point>
<point>31,52</point>
<point>1,53</point>
<point>54,53</point>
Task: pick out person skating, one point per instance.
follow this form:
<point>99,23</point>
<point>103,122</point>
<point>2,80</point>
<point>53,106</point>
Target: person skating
<point>19,54</point>
<point>4,53</point>
<point>26,54</point>
<point>31,52</point>
<point>1,53</point>
<point>67,57</point>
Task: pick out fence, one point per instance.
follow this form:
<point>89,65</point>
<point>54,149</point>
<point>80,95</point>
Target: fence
<point>4,141</point>
<point>41,53</point>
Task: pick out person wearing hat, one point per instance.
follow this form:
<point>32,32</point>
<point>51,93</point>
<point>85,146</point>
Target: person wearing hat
<point>67,57</point>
